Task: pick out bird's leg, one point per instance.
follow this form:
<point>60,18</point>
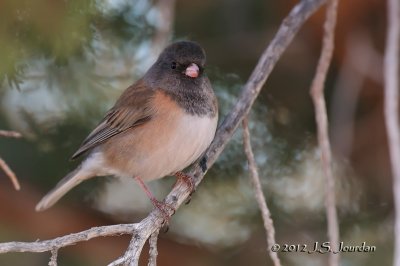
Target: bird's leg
<point>161,205</point>
<point>189,181</point>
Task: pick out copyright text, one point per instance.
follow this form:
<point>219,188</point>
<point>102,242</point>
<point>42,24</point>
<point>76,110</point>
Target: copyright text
<point>323,247</point>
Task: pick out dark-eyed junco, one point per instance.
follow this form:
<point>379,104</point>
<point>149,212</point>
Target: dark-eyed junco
<point>158,126</point>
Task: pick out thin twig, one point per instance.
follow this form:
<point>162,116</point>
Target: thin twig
<point>153,253</point>
<point>391,79</point>
<point>3,165</point>
<point>154,221</point>
<point>7,170</point>
<point>144,229</point>
<point>360,64</point>
<point>53,259</point>
<point>317,93</point>
<point>10,134</point>
<point>262,204</point>
<point>119,261</point>
<point>71,239</point>
<point>165,23</point>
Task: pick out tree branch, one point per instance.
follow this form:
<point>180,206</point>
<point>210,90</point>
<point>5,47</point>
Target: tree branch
<point>7,170</point>
<point>391,79</point>
<point>3,165</point>
<point>71,239</point>
<point>153,248</point>
<point>317,93</point>
<point>154,221</point>
<point>10,134</point>
<point>262,203</point>
<point>53,258</point>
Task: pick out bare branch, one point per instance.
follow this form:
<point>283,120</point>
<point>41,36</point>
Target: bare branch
<point>391,79</point>
<point>144,229</point>
<point>165,22</point>
<point>153,248</point>
<point>3,165</point>
<point>119,261</point>
<point>53,259</point>
<point>154,221</point>
<point>262,203</point>
<point>359,64</point>
<point>10,134</point>
<point>71,239</point>
<point>7,170</point>
<point>317,93</point>
<point>163,26</point>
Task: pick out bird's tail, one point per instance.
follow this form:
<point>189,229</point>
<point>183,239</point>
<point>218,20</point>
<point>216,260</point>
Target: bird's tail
<point>64,185</point>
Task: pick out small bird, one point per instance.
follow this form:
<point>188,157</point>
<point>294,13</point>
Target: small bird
<point>159,125</point>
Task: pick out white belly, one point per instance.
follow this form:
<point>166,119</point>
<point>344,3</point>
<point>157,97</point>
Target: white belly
<point>190,138</point>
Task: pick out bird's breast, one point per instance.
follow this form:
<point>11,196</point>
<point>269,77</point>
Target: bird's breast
<point>169,142</point>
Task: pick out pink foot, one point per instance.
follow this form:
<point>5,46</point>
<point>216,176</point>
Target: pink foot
<point>163,207</point>
<point>186,179</point>
<point>189,181</point>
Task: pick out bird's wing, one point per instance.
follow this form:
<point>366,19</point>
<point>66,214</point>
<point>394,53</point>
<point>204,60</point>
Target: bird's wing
<point>133,108</point>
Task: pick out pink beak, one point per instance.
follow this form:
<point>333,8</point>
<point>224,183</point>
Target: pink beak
<point>192,71</point>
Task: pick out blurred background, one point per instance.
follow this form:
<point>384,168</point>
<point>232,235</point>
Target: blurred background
<point>64,63</point>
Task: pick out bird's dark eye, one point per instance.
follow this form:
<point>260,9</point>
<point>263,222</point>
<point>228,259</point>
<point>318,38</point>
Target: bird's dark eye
<point>173,65</point>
